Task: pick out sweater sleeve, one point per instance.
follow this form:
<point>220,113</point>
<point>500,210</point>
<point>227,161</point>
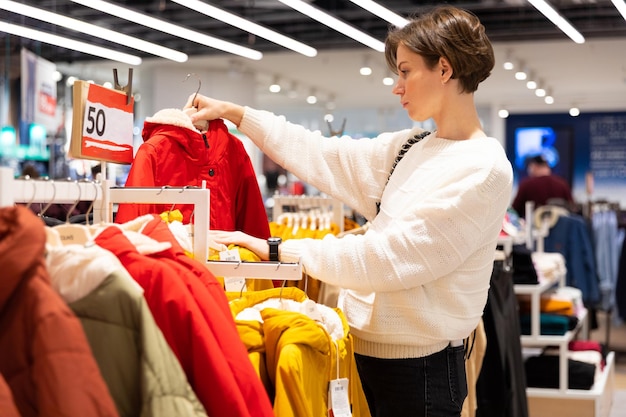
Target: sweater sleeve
<point>428,232</point>
<point>352,170</point>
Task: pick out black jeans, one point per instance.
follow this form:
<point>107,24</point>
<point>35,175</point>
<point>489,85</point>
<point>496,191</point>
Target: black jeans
<point>432,386</point>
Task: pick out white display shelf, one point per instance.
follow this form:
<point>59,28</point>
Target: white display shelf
<point>548,402</point>
<point>258,270</point>
<point>536,340</point>
<point>535,291</point>
<point>595,402</point>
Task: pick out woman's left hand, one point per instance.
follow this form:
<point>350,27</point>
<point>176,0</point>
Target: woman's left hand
<point>255,244</point>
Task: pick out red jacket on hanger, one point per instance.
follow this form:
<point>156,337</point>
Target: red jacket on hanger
<point>44,354</point>
<point>176,154</point>
<point>211,299</point>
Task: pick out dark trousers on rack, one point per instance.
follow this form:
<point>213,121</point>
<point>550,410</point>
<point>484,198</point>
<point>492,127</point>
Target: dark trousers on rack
<point>501,384</point>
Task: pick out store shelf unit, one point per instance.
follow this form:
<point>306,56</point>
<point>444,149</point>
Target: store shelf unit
<point>595,402</point>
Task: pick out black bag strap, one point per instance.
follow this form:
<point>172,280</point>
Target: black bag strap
<point>403,150</point>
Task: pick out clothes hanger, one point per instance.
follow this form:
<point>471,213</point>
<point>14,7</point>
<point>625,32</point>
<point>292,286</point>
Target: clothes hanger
<point>548,215</point>
<point>52,238</point>
<point>201,125</point>
<point>73,233</point>
<point>28,178</point>
<point>42,212</point>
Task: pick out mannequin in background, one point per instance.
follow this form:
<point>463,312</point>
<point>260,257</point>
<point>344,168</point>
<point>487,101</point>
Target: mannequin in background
<point>415,284</point>
<point>541,186</point>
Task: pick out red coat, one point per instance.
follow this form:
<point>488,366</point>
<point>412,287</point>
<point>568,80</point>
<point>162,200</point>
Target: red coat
<point>44,355</point>
<point>211,299</point>
<point>174,153</point>
<point>182,322</point>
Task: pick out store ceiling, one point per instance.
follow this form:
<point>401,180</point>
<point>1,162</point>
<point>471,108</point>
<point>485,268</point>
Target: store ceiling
<point>513,25</point>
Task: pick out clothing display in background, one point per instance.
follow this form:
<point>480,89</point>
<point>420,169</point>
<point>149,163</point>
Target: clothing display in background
<point>174,153</point>
<point>501,385</point>
<point>607,241</point>
<point>46,359</point>
<point>620,285</point>
<point>569,235</point>
<point>524,271</point>
<point>543,372</point>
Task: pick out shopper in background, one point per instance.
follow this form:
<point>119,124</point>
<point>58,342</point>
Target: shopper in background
<point>414,285</point>
<point>541,187</point>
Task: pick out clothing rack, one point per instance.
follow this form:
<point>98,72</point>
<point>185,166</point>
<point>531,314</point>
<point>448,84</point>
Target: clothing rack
<point>21,190</point>
<point>200,198</point>
<point>294,203</point>
<point>14,190</point>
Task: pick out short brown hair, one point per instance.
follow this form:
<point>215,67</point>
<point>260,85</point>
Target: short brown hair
<point>448,32</point>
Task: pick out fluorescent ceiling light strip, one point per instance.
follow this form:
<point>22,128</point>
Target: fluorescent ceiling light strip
<point>93,30</point>
<point>248,26</point>
<point>558,20</point>
<point>382,12</point>
<point>166,27</point>
<point>335,24</point>
<point>68,43</point>
<point>620,5</point>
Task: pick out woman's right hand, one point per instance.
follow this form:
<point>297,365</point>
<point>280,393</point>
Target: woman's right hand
<point>211,109</point>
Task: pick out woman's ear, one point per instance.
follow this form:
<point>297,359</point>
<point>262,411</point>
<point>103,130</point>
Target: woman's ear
<point>446,70</point>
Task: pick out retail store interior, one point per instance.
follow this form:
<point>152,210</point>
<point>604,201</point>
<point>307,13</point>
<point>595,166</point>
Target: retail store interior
<point>572,91</point>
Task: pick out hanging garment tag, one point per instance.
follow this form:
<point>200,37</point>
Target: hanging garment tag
<point>230,255</point>
<point>338,398</point>
<point>236,284</point>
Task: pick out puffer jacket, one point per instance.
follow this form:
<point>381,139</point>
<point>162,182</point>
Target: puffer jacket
<point>44,355</point>
<point>302,345</point>
<point>7,405</point>
<point>176,154</point>
<point>142,373</point>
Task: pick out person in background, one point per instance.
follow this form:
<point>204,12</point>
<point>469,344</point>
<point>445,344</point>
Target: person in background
<point>415,284</point>
<point>541,187</point>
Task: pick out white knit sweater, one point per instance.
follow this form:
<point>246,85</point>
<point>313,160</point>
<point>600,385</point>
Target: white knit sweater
<point>419,277</point>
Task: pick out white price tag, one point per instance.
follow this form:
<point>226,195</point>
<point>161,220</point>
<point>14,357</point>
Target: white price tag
<point>338,399</point>
<point>237,284</point>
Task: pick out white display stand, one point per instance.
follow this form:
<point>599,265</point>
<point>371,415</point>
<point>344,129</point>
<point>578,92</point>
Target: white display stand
<point>200,198</point>
<point>550,402</point>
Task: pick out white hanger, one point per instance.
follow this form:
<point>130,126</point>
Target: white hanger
<point>70,233</point>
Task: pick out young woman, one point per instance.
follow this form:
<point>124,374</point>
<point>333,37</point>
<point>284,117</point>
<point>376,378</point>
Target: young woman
<point>415,284</point>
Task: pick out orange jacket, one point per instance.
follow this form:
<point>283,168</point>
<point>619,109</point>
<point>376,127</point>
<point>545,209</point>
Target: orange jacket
<point>45,357</point>
<point>7,405</point>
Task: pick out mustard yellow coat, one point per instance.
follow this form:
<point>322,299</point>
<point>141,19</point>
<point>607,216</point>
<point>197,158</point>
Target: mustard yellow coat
<point>298,357</point>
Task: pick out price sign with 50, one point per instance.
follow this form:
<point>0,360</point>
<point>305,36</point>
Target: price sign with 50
<point>107,125</point>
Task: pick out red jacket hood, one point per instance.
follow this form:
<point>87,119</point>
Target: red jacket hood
<point>176,125</point>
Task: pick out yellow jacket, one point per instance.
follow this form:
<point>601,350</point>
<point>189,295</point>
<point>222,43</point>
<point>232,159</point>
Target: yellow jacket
<point>300,355</point>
